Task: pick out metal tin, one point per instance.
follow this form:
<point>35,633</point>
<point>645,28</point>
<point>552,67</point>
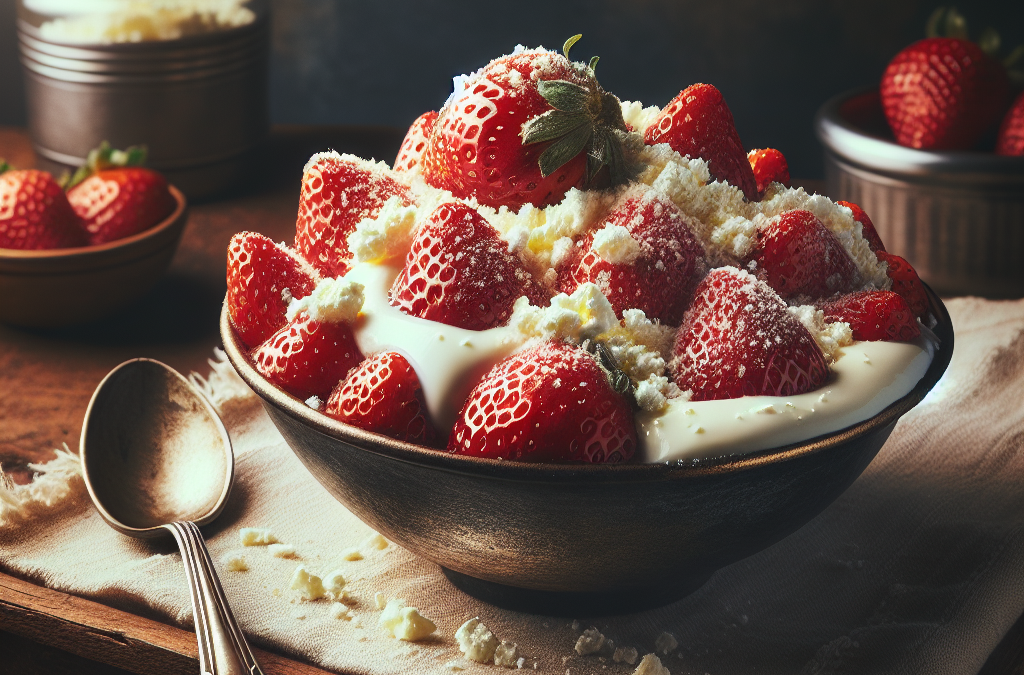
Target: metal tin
<point>958,217</point>
<point>199,103</point>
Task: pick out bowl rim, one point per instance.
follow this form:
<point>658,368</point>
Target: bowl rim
<point>238,356</point>
<point>83,254</point>
<point>845,139</point>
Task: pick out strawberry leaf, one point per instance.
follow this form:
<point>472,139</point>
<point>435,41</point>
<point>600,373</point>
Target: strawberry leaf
<point>565,96</point>
<point>551,125</point>
<point>4,166</point>
<point>569,43</point>
<point>565,148</point>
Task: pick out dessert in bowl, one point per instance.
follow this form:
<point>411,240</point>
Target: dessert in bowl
<point>525,352</point>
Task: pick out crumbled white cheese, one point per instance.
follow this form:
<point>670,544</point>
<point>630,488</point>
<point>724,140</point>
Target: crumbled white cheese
<point>637,116</point>
<point>614,244</point>
<point>309,585</point>
<point>314,402</point>
<point>332,301</point>
<point>665,643</point>
<point>830,337</point>
<point>590,642</point>
<point>651,665</point>
<point>625,655</point>
<point>506,654</point>
<point>334,583</point>
<point>386,237</point>
<point>476,641</point>
<point>234,562</point>
<point>255,536</point>
<point>577,317</point>
<point>281,550</point>
<point>405,623</point>
<point>380,600</point>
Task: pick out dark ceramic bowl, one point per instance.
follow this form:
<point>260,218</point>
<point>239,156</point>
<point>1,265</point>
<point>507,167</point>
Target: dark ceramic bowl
<point>571,539</point>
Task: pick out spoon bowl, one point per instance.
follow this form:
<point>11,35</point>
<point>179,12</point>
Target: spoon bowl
<point>157,460</point>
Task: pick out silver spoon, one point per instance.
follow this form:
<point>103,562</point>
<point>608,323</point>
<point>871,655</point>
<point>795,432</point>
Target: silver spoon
<point>156,459</point>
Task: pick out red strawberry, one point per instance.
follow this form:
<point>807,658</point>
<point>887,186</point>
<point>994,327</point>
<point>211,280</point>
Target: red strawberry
<point>874,315</point>
<point>800,257</point>
<point>262,279</point>
<point>658,272</point>
<point>35,213</point>
<point>943,93</point>
<point>308,357</point>
<point>906,283</point>
<point>338,191</point>
<point>460,272</point>
<point>739,339</point>
<point>384,395</point>
<point>769,166</point>
<point>549,403</point>
<point>698,123</point>
<point>117,203</point>
<point>524,130</point>
<point>867,227</point>
<point>410,155</point>
<point>1011,131</point>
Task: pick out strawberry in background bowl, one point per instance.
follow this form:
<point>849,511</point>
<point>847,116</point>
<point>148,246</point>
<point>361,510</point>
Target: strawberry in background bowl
<point>67,258</point>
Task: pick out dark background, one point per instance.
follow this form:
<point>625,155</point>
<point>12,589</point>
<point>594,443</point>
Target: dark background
<point>776,62</point>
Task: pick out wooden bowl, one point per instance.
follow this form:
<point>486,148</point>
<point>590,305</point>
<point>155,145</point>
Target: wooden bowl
<point>578,539</point>
<point>61,287</point>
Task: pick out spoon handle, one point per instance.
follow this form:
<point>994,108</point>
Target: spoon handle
<point>222,647</point>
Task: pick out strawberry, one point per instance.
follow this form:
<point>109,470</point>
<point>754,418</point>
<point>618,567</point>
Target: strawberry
<point>338,191</point>
<point>308,357</point>
<point>549,403</point>
<point>384,395</point>
<point>460,272</point>
<point>35,213</point>
<point>874,315</point>
<point>698,123</point>
<point>524,130</point>
<point>739,339</point>
<point>868,230</point>
<point>906,283</point>
<point>769,166</point>
<point>800,258</point>
<point>1011,131</point>
<point>262,279</point>
<point>653,265</point>
<point>943,93</point>
<point>410,155</point>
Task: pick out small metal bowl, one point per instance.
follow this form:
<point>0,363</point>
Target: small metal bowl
<point>958,217</point>
<point>572,539</point>
<point>62,287</point>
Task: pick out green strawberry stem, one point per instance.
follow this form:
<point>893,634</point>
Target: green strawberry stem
<point>4,166</point>
<point>617,378</point>
<point>106,157</point>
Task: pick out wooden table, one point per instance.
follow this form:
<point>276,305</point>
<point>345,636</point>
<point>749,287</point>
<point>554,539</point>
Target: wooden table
<point>48,376</point>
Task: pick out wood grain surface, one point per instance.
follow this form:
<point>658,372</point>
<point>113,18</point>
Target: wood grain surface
<point>48,376</point>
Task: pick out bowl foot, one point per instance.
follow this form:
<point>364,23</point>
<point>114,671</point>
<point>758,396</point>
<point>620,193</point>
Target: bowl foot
<point>569,603</point>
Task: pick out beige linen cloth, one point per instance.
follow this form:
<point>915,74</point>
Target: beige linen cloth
<point>917,568</point>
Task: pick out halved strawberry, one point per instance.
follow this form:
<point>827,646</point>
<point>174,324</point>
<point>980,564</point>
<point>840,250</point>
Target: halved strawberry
<point>338,191</point>
<point>698,123</point>
<point>801,258</point>
<point>867,227</point>
<point>384,395</point>
<point>1011,130</point>
<point>410,155</point>
<point>117,203</point>
<point>262,279</point>
<point>525,129</point>
<point>308,357</point>
<point>549,403</point>
<point>906,283</point>
<point>874,315</point>
<point>645,257</point>
<point>35,213</point>
<point>739,339</point>
<point>769,166</point>
<point>460,272</point>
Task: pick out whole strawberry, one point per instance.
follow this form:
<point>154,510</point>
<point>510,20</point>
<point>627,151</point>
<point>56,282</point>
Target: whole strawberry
<point>35,213</point>
<point>769,166</point>
<point>1011,131</point>
<point>739,339</point>
<point>116,197</point>
<point>414,145</point>
<point>308,357</point>
<point>262,279</point>
<point>874,315</point>
<point>643,255</point>
<point>549,403</point>
<point>384,395</point>
<point>460,272</point>
<point>338,191</point>
<point>698,123</point>
<point>943,93</point>
<point>525,129</point>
